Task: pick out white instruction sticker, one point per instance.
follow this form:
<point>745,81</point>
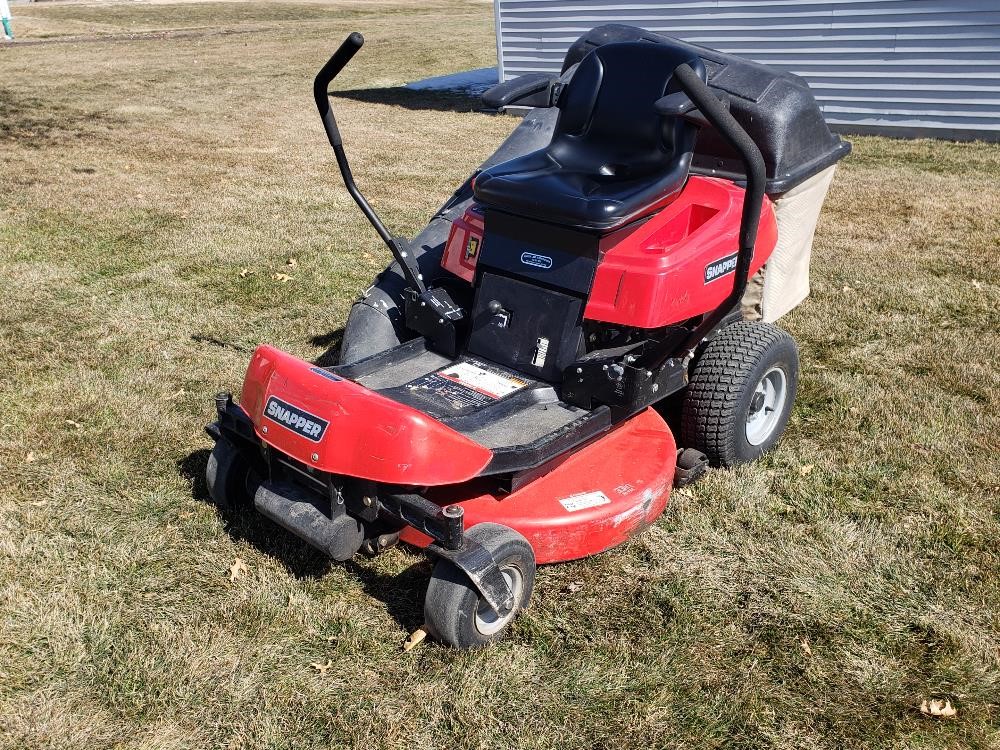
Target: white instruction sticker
<point>585,500</point>
<point>489,382</point>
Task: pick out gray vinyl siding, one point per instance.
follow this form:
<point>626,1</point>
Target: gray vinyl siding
<point>911,67</point>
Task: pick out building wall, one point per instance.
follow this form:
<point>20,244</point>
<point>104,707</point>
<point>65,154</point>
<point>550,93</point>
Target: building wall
<point>906,67</point>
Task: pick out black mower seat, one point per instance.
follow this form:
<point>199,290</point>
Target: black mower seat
<point>612,158</point>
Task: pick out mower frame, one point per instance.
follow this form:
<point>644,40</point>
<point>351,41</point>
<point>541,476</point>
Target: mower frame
<point>338,502</point>
<point>443,524</point>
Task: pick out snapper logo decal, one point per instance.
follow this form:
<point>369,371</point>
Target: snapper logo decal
<point>536,260</point>
<point>295,419</point>
<point>721,267</point>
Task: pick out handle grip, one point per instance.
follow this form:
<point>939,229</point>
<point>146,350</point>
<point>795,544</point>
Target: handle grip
<point>397,246</point>
<point>718,115</point>
<point>348,49</point>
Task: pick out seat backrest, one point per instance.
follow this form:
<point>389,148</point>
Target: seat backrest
<point>607,125</point>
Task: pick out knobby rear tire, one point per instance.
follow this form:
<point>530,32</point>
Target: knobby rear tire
<point>717,404</point>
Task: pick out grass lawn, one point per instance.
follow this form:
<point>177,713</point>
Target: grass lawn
<point>161,163</point>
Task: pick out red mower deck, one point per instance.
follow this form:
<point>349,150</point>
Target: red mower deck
<point>599,497</point>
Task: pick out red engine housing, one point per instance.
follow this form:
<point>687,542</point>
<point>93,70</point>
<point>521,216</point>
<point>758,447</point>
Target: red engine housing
<point>681,262</point>
<point>675,265</point>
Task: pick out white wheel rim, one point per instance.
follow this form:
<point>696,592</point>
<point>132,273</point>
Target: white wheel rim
<point>766,406</point>
<point>489,622</point>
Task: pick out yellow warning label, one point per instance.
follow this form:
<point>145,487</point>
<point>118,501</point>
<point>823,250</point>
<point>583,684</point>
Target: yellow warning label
<point>472,247</point>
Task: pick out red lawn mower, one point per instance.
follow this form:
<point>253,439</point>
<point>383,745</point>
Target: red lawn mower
<point>496,401</point>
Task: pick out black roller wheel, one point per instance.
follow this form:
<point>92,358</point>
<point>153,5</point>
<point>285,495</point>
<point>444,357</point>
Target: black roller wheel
<point>740,396</point>
<point>455,612</point>
<point>231,480</point>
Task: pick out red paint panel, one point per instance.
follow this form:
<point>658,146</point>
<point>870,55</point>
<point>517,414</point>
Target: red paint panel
<point>655,274</point>
<point>599,497</point>
<point>465,243</point>
<point>368,435</point>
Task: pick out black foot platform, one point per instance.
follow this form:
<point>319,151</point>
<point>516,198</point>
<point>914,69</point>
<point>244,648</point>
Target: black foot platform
<point>520,419</point>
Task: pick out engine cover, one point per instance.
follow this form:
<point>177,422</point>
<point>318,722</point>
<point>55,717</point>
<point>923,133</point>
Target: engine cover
<point>681,262</point>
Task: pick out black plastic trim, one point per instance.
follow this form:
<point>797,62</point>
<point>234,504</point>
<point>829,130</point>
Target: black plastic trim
<point>530,455</point>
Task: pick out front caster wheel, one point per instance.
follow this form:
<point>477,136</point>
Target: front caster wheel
<point>230,478</point>
<point>740,395</point>
<point>455,612</point>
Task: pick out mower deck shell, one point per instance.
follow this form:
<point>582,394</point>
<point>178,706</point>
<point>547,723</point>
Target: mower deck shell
<point>597,498</point>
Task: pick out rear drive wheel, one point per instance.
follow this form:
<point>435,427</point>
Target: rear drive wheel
<point>231,480</point>
<point>455,612</point>
<point>741,392</point>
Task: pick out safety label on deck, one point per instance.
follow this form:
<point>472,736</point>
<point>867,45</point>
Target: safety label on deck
<point>585,500</point>
<point>490,382</point>
<point>465,384</point>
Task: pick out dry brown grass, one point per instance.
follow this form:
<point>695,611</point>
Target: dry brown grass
<point>773,606</point>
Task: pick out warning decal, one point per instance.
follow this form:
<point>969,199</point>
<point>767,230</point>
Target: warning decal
<point>489,382</point>
<point>466,384</point>
<point>585,500</point>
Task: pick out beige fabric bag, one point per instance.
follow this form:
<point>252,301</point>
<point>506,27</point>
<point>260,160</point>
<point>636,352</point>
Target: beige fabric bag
<point>786,277</point>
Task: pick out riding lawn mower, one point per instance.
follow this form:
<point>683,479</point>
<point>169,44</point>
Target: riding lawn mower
<point>502,386</point>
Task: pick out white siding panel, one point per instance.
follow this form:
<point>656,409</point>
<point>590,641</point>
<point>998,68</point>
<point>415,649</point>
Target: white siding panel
<point>925,66</point>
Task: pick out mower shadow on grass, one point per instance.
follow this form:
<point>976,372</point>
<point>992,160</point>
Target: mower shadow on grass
<point>203,338</point>
<point>301,560</point>
<point>402,593</point>
<point>400,96</point>
<point>332,341</point>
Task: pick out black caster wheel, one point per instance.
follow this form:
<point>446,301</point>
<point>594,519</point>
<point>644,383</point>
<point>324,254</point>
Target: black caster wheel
<point>740,396</point>
<point>454,611</point>
<point>231,480</point>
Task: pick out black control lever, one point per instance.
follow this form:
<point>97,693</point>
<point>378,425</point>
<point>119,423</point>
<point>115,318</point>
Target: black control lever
<point>398,246</point>
<point>698,103</point>
<point>717,113</point>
